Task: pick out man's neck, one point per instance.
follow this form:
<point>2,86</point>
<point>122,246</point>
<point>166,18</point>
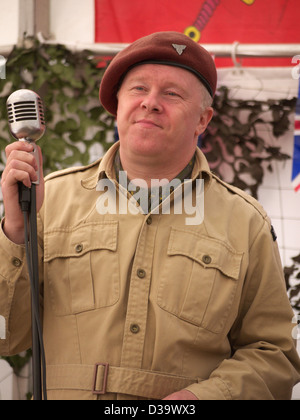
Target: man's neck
<point>148,172</point>
<point>154,193</point>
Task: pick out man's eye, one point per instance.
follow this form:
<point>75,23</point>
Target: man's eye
<point>139,88</point>
<point>170,93</point>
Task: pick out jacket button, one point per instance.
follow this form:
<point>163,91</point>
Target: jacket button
<point>16,262</point>
<point>141,273</point>
<point>207,259</point>
<point>149,221</point>
<point>134,328</point>
<point>79,248</point>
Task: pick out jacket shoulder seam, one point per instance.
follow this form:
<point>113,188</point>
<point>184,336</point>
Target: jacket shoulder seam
<point>246,197</point>
<point>69,171</point>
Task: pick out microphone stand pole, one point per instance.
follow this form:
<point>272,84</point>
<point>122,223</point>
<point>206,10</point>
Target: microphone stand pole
<point>28,206</point>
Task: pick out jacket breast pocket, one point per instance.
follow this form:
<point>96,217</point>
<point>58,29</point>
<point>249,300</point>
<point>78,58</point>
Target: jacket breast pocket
<point>82,267</point>
<point>199,280</point>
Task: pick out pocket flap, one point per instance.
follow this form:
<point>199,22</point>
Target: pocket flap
<point>209,252</point>
<point>75,242</point>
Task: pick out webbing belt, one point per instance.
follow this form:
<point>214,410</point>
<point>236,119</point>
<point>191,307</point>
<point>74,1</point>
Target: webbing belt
<point>103,378</point>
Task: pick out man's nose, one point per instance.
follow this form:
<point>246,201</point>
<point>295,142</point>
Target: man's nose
<point>151,102</point>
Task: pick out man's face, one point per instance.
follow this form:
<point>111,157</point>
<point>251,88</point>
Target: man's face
<point>160,114</point>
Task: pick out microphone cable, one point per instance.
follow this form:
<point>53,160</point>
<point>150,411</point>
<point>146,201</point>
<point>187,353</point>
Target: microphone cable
<point>28,207</point>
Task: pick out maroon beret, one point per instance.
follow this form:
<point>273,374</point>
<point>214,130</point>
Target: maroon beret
<point>168,48</point>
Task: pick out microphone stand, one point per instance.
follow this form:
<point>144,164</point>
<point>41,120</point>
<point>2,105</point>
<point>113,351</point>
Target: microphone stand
<point>28,206</point>
<point>27,123</point>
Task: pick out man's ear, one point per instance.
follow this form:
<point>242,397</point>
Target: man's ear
<point>204,120</point>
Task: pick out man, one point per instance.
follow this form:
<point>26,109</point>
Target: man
<point>139,302</point>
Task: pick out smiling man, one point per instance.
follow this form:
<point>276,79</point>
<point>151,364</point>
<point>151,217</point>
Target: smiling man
<point>141,304</point>
<point>160,117</point>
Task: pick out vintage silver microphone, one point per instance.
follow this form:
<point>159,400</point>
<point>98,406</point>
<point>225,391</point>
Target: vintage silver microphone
<point>26,119</point>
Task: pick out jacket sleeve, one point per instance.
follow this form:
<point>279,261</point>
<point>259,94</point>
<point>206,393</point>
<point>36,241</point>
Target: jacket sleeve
<point>265,364</point>
<point>15,301</point>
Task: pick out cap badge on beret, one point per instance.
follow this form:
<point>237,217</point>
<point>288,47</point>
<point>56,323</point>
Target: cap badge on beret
<point>179,48</point>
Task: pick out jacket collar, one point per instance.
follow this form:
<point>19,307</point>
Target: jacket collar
<point>106,169</point>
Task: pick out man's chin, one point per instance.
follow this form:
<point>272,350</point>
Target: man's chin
<point>147,147</point>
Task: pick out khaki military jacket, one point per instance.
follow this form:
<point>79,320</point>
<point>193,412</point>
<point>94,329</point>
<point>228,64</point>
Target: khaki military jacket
<point>138,306</point>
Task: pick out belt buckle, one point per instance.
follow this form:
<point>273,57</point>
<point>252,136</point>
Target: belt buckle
<point>103,390</point>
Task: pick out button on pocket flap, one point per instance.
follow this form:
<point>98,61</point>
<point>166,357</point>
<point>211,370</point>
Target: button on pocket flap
<point>75,242</point>
<point>209,252</point>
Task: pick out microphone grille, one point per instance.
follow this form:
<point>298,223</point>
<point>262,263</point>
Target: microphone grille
<point>29,110</point>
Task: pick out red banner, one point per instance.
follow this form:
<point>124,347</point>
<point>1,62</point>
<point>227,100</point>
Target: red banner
<point>206,21</point>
